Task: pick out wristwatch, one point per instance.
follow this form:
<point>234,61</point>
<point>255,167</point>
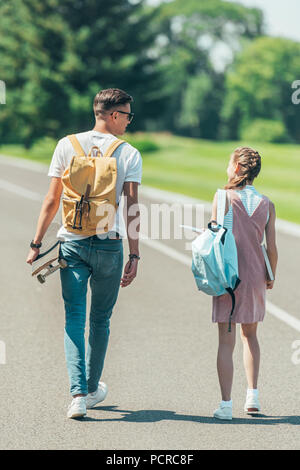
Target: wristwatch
<point>35,245</point>
<point>131,257</point>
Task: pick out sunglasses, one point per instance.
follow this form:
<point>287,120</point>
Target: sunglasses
<point>129,115</point>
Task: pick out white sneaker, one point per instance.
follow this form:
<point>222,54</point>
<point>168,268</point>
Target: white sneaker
<point>96,397</point>
<point>252,404</point>
<point>223,412</point>
<point>77,409</point>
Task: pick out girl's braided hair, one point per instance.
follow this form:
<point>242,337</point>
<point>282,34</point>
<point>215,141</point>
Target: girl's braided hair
<point>250,163</point>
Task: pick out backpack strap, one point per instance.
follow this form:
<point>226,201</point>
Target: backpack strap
<point>232,295</point>
<point>76,145</point>
<point>113,147</point>
<point>221,206</point>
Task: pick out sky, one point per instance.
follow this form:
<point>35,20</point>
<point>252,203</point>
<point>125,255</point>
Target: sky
<point>282,17</point>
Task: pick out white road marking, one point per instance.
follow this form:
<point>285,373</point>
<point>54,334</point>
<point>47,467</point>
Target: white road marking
<point>166,250</point>
<point>283,316</point>
<point>161,247</point>
<point>16,189</point>
<point>19,162</point>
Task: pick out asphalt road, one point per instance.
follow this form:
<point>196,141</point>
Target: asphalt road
<point>161,361</point>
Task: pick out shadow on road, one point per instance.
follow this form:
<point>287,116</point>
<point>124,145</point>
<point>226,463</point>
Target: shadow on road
<point>153,416</point>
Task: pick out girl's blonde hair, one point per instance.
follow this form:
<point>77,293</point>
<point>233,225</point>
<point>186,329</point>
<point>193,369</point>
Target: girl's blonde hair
<point>250,162</point>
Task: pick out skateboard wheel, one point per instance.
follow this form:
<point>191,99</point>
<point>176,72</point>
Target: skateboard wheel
<point>41,278</point>
<point>62,262</point>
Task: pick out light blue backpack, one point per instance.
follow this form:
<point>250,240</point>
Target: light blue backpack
<point>215,260</point>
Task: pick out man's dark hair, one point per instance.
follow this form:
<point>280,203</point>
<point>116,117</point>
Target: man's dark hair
<point>108,99</point>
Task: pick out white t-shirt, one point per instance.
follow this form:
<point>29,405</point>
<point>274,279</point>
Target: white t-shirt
<point>129,168</point>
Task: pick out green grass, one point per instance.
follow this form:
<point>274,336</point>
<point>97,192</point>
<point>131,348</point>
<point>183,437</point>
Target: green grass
<point>197,167</point>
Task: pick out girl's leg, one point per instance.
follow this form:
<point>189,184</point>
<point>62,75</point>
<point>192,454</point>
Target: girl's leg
<point>224,359</point>
<point>251,353</point>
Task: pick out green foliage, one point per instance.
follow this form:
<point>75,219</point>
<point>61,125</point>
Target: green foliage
<point>259,86</point>
<point>57,54</point>
<point>43,146</point>
<point>265,130</point>
<point>219,18</point>
<point>188,33</point>
<point>142,142</point>
<point>31,43</point>
<point>201,101</point>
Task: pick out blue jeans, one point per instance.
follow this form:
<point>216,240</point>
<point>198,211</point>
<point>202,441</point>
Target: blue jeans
<point>102,262</point>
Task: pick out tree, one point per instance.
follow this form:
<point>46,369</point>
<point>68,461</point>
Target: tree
<point>189,32</point>
<point>259,86</point>
<point>57,54</point>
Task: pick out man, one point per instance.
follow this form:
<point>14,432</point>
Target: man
<point>98,258</point>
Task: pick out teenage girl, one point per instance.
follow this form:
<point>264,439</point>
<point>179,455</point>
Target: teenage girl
<point>250,215</point>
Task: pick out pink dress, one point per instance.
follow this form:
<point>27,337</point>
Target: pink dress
<point>251,293</point>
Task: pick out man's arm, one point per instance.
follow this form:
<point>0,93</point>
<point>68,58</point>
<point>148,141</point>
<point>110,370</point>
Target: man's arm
<point>49,208</point>
<point>133,228</point>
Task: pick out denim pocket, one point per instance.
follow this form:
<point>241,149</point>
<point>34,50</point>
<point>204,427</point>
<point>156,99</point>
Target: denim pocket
<point>109,262</point>
<point>71,253</point>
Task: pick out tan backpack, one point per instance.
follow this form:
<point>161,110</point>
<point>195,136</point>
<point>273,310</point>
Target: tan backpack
<point>89,184</point>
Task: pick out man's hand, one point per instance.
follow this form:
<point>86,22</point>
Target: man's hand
<point>130,272</point>
<point>270,284</point>
<point>32,255</point>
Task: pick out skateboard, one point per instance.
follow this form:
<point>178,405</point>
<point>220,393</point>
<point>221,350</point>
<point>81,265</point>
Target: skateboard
<point>48,260</point>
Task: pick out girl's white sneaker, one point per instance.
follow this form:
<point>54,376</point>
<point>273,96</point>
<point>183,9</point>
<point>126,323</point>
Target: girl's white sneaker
<point>252,404</point>
<point>223,412</point>
<point>77,409</point>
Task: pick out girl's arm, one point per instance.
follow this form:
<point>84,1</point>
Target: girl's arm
<point>271,242</point>
<point>214,208</point>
